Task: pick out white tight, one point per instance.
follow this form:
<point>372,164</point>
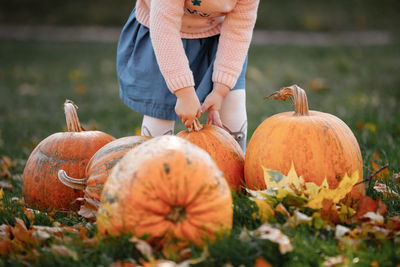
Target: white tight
<point>233,117</point>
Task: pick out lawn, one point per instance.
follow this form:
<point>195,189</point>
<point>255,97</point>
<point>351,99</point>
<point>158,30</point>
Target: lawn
<point>359,84</point>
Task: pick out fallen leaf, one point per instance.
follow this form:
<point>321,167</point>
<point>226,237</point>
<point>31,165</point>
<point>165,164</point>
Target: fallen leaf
<point>143,247</point>
<point>387,192</point>
<point>375,161</point>
<point>374,218</point>
<point>21,233</point>
<point>265,210</point>
<point>274,235</point>
<point>335,261</point>
<point>341,230</point>
<point>329,211</point>
<point>365,205</point>
<point>344,187</point>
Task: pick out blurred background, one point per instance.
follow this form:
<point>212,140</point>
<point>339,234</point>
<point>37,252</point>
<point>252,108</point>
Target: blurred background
<point>344,53</point>
<point>309,15</point>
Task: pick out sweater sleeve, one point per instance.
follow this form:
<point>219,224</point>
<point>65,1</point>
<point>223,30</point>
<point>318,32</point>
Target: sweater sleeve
<point>165,24</point>
<point>234,42</point>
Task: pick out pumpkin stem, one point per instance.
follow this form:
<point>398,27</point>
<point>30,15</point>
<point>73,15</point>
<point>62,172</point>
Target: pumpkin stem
<point>71,117</point>
<point>74,183</point>
<point>297,95</point>
<point>177,214</point>
<point>196,126</point>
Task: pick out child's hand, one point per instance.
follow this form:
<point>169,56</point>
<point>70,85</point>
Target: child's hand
<point>187,106</point>
<point>213,103</point>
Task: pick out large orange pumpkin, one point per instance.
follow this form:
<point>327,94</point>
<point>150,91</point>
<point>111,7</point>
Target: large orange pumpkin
<point>223,149</point>
<point>70,151</point>
<point>168,189</point>
<point>320,145</point>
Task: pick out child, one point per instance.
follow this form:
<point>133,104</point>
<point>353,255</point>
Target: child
<point>174,54</point>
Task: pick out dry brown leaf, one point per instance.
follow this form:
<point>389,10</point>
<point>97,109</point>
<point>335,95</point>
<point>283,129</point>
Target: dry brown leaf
<point>21,233</point>
<point>375,166</point>
<point>329,211</point>
<point>365,205</point>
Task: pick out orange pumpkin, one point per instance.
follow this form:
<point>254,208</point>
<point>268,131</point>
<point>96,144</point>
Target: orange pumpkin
<point>319,145</point>
<point>100,166</point>
<point>70,151</point>
<point>168,189</point>
<point>223,149</point>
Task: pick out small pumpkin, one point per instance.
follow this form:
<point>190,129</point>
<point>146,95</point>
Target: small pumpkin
<point>169,189</point>
<point>70,151</point>
<point>320,145</point>
<point>223,149</point>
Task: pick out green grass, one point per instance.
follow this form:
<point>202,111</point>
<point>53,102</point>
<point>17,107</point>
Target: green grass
<point>360,85</point>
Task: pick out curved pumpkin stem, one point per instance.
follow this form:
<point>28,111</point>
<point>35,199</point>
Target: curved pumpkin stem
<point>74,183</point>
<point>71,116</point>
<point>196,126</point>
<point>298,97</point>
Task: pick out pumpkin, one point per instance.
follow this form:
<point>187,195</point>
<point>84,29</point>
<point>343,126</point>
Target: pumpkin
<point>97,171</point>
<point>70,151</point>
<point>100,166</point>
<point>169,190</point>
<point>318,144</point>
<point>223,149</point>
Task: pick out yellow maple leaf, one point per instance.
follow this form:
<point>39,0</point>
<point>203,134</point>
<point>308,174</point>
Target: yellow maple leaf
<point>276,181</point>
<point>344,187</point>
<point>282,186</point>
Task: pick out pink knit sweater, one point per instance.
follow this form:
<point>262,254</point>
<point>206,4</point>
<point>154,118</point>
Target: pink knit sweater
<point>171,20</point>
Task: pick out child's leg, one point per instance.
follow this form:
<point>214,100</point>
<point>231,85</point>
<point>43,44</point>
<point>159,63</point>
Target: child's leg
<point>234,117</point>
<point>156,127</point>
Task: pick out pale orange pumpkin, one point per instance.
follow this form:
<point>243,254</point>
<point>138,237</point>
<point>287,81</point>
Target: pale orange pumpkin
<point>70,151</point>
<point>318,144</point>
<point>169,189</point>
<point>223,149</point>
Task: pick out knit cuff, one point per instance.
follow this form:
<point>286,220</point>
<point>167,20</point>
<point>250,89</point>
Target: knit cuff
<point>180,82</point>
<point>225,78</point>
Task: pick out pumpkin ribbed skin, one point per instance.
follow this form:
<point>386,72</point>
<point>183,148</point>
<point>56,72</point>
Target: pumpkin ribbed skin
<point>169,189</point>
<point>70,151</point>
<point>102,163</point>
<point>223,149</point>
<point>318,144</point>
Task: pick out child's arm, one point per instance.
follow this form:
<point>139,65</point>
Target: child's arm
<point>187,105</point>
<point>213,103</point>
<point>234,42</point>
<point>165,25</point>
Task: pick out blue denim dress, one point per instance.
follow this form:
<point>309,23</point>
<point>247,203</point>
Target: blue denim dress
<point>142,86</point>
